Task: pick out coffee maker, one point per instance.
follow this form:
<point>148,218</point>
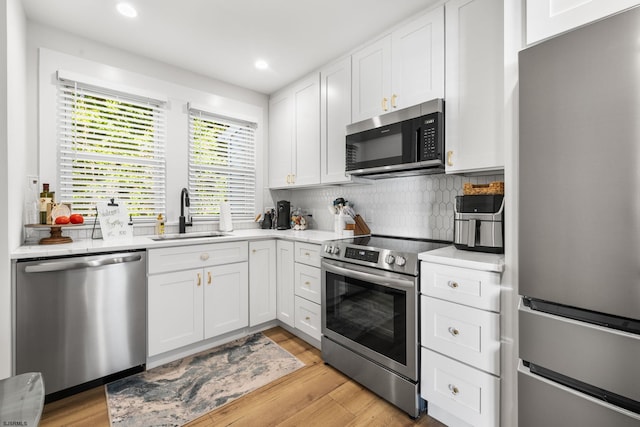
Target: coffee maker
<point>283,209</point>
<point>478,223</point>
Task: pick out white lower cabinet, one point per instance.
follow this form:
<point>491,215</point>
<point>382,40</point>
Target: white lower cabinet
<point>307,288</point>
<point>175,315</point>
<point>262,281</point>
<point>460,344</point>
<point>308,317</point>
<point>470,395</point>
<point>193,304</point>
<point>285,272</point>
<point>226,296</point>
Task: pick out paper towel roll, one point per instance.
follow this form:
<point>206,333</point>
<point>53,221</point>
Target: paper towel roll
<point>225,217</point>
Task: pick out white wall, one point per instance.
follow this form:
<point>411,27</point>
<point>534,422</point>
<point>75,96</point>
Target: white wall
<point>50,49</point>
<point>13,154</point>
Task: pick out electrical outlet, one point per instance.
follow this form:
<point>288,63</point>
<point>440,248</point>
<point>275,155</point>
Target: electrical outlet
<point>369,216</point>
<point>33,183</point>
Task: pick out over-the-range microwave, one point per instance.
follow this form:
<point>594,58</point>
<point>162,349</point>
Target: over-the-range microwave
<point>400,143</point>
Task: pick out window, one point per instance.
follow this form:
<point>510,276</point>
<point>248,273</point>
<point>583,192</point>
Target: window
<point>111,145</point>
<point>222,165</point>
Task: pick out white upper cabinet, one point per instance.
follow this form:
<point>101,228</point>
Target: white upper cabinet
<point>417,60</point>
<point>371,80</point>
<point>335,115</point>
<point>294,134</point>
<point>402,69</point>
<point>474,86</point>
<point>547,18</point>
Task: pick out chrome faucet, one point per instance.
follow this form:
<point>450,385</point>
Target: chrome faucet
<point>184,201</point>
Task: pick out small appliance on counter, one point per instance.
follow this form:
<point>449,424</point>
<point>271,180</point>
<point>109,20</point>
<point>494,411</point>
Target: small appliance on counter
<point>283,209</point>
<point>478,223</point>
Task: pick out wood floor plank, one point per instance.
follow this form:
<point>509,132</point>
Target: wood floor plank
<point>316,394</point>
<point>321,413</point>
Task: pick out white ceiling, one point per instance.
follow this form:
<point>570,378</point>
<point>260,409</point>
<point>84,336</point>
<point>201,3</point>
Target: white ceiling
<point>223,38</point>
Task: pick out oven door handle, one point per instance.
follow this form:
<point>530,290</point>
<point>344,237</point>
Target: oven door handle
<point>376,279</point>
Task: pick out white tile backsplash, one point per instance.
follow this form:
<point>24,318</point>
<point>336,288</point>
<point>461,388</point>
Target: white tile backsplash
<point>419,206</point>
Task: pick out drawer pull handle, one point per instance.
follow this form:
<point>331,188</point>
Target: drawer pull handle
<point>199,279</point>
<point>209,277</point>
<point>453,331</point>
<point>204,257</point>
<point>454,390</point>
<point>452,284</point>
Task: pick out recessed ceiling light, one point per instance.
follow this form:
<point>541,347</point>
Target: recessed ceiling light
<point>127,10</point>
<point>261,65</point>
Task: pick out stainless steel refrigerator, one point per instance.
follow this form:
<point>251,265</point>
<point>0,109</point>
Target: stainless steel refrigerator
<point>579,227</point>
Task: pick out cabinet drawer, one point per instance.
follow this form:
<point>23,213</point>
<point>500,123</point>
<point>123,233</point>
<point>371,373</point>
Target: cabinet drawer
<point>308,253</point>
<point>307,317</point>
<point>194,256</point>
<point>307,282</point>
<point>469,394</point>
<point>467,334</point>
<point>480,289</point>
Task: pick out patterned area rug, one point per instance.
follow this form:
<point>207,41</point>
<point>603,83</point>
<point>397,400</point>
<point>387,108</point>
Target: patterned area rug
<point>181,391</point>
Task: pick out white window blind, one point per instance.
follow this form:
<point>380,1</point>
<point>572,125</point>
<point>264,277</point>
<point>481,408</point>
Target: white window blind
<point>222,165</point>
<point>111,145</point>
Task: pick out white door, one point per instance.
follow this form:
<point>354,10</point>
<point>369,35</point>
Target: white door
<point>335,115</point>
<point>417,61</point>
<point>546,18</point>
<point>371,80</point>
<point>226,298</point>
<point>306,96</point>
<point>474,85</point>
<point>174,310</point>
<point>280,140</point>
<point>262,281</point>
<point>285,282</point>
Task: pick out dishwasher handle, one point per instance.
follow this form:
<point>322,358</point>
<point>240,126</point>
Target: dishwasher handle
<point>75,265</point>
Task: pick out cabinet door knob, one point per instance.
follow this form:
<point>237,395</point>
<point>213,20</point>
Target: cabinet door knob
<point>453,331</point>
<point>384,104</point>
<point>307,318</point>
<point>204,256</point>
<point>208,277</point>
<point>199,279</point>
<point>449,158</point>
<point>393,101</point>
<point>453,389</point>
<point>308,283</point>
<point>452,284</point>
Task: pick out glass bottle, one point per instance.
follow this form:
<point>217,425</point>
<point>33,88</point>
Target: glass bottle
<point>46,198</point>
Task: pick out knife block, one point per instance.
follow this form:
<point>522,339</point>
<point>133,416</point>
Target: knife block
<point>361,227</point>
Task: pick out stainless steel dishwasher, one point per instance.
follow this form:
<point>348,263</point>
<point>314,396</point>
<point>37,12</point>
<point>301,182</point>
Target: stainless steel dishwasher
<point>80,319</point>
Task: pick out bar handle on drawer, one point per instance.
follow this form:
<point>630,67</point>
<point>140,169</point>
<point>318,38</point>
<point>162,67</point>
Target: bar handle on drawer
<point>452,284</point>
<point>453,389</point>
<point>453,331</point>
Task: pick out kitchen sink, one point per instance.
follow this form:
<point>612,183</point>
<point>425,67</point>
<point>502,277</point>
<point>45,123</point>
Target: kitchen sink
<point>183,236</point>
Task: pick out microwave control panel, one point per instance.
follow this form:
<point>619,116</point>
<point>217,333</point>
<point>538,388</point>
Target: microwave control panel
<point>430,146</point>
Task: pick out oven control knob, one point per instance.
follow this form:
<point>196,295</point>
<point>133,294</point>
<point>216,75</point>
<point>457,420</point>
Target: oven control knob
<point>336,250</point>
<point>389,259</point>
<point>327,249</point>
<point>400,261</point>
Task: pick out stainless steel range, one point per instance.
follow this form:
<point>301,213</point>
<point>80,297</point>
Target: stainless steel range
<point>370,314</point>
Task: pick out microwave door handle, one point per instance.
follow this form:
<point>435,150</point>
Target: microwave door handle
<point>471,236</point>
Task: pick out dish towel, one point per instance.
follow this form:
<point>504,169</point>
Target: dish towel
<point>225,217</point>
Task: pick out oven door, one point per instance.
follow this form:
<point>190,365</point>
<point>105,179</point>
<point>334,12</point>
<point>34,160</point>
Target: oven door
<point>373,313</point>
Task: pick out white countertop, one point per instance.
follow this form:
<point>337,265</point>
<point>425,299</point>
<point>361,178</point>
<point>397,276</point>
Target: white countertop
<point>450,255</point>
<point>88,246</point>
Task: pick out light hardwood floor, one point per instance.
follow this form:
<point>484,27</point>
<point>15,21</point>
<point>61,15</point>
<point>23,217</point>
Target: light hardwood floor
<point>315,395</point>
